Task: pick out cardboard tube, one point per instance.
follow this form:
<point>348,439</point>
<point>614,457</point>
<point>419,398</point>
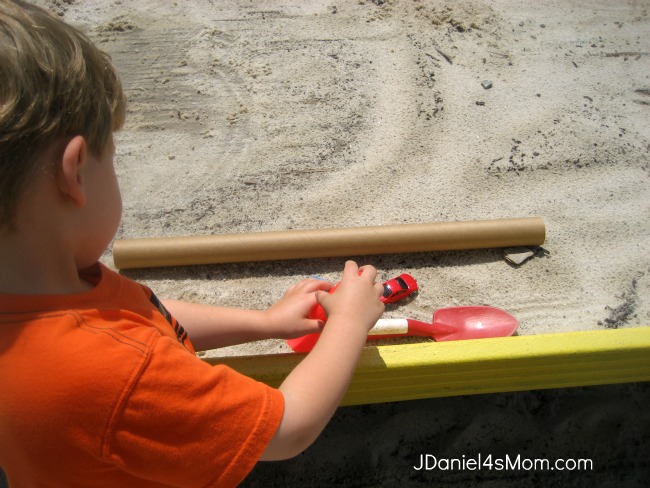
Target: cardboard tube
<point>300,244</point>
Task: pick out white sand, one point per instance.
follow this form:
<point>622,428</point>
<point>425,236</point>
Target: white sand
<point>252,116</point>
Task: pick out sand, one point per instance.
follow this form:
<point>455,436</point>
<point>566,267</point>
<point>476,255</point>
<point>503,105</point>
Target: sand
<point>256,116</point>
<point>599,437</point>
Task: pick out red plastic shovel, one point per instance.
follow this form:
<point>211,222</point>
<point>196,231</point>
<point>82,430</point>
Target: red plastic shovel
<point>449,324</point>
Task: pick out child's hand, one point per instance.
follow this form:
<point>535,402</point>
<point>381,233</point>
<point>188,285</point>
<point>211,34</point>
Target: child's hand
<point>356,300</point>
<point>288,316</point>
<point>314,389</point>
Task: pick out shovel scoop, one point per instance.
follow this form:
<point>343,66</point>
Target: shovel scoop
<point>449,324</point>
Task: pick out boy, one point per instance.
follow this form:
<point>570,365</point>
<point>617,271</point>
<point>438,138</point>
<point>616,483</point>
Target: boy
<point>99,383</point>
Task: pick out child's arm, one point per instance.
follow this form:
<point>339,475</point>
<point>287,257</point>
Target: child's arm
<point>314,389</point>
<point>211,327</point>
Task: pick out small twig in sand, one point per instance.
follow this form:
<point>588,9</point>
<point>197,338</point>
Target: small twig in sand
<point>295,171</point>
<point>626,53</point>
<point>447,58</point>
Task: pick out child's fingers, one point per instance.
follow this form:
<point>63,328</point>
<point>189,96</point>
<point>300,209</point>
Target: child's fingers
<point>351,269</point>
<point>312,284</point>
<point>321,296</point>
<point>379,288</point>
<point>309,285</point>
<point>306,326</point>
<point>369,271</point>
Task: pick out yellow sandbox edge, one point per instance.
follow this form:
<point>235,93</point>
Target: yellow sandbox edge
<point>431,369</point>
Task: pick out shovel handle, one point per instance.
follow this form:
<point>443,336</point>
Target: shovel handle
<point>389,328</point>
<point>383,329</point>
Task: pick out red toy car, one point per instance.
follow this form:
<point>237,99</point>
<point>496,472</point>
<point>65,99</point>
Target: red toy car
<point>399,288</point>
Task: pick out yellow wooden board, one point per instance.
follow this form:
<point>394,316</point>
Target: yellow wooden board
<point>438,369</point>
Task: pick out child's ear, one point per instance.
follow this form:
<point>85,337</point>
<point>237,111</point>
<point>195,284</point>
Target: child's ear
<point>73,162</point>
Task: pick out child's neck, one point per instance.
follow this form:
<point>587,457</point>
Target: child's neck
<point>33,267</point>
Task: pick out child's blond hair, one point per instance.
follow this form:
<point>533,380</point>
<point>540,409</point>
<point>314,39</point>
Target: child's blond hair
<point>54,83</point>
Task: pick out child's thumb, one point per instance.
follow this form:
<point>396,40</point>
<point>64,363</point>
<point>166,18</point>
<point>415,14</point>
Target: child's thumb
<point>320,296</point>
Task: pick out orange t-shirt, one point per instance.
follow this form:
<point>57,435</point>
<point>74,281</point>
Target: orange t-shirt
<point>103,389</point>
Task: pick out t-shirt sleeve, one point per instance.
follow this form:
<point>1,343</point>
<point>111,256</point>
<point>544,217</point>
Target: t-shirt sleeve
<point>186,423</point>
